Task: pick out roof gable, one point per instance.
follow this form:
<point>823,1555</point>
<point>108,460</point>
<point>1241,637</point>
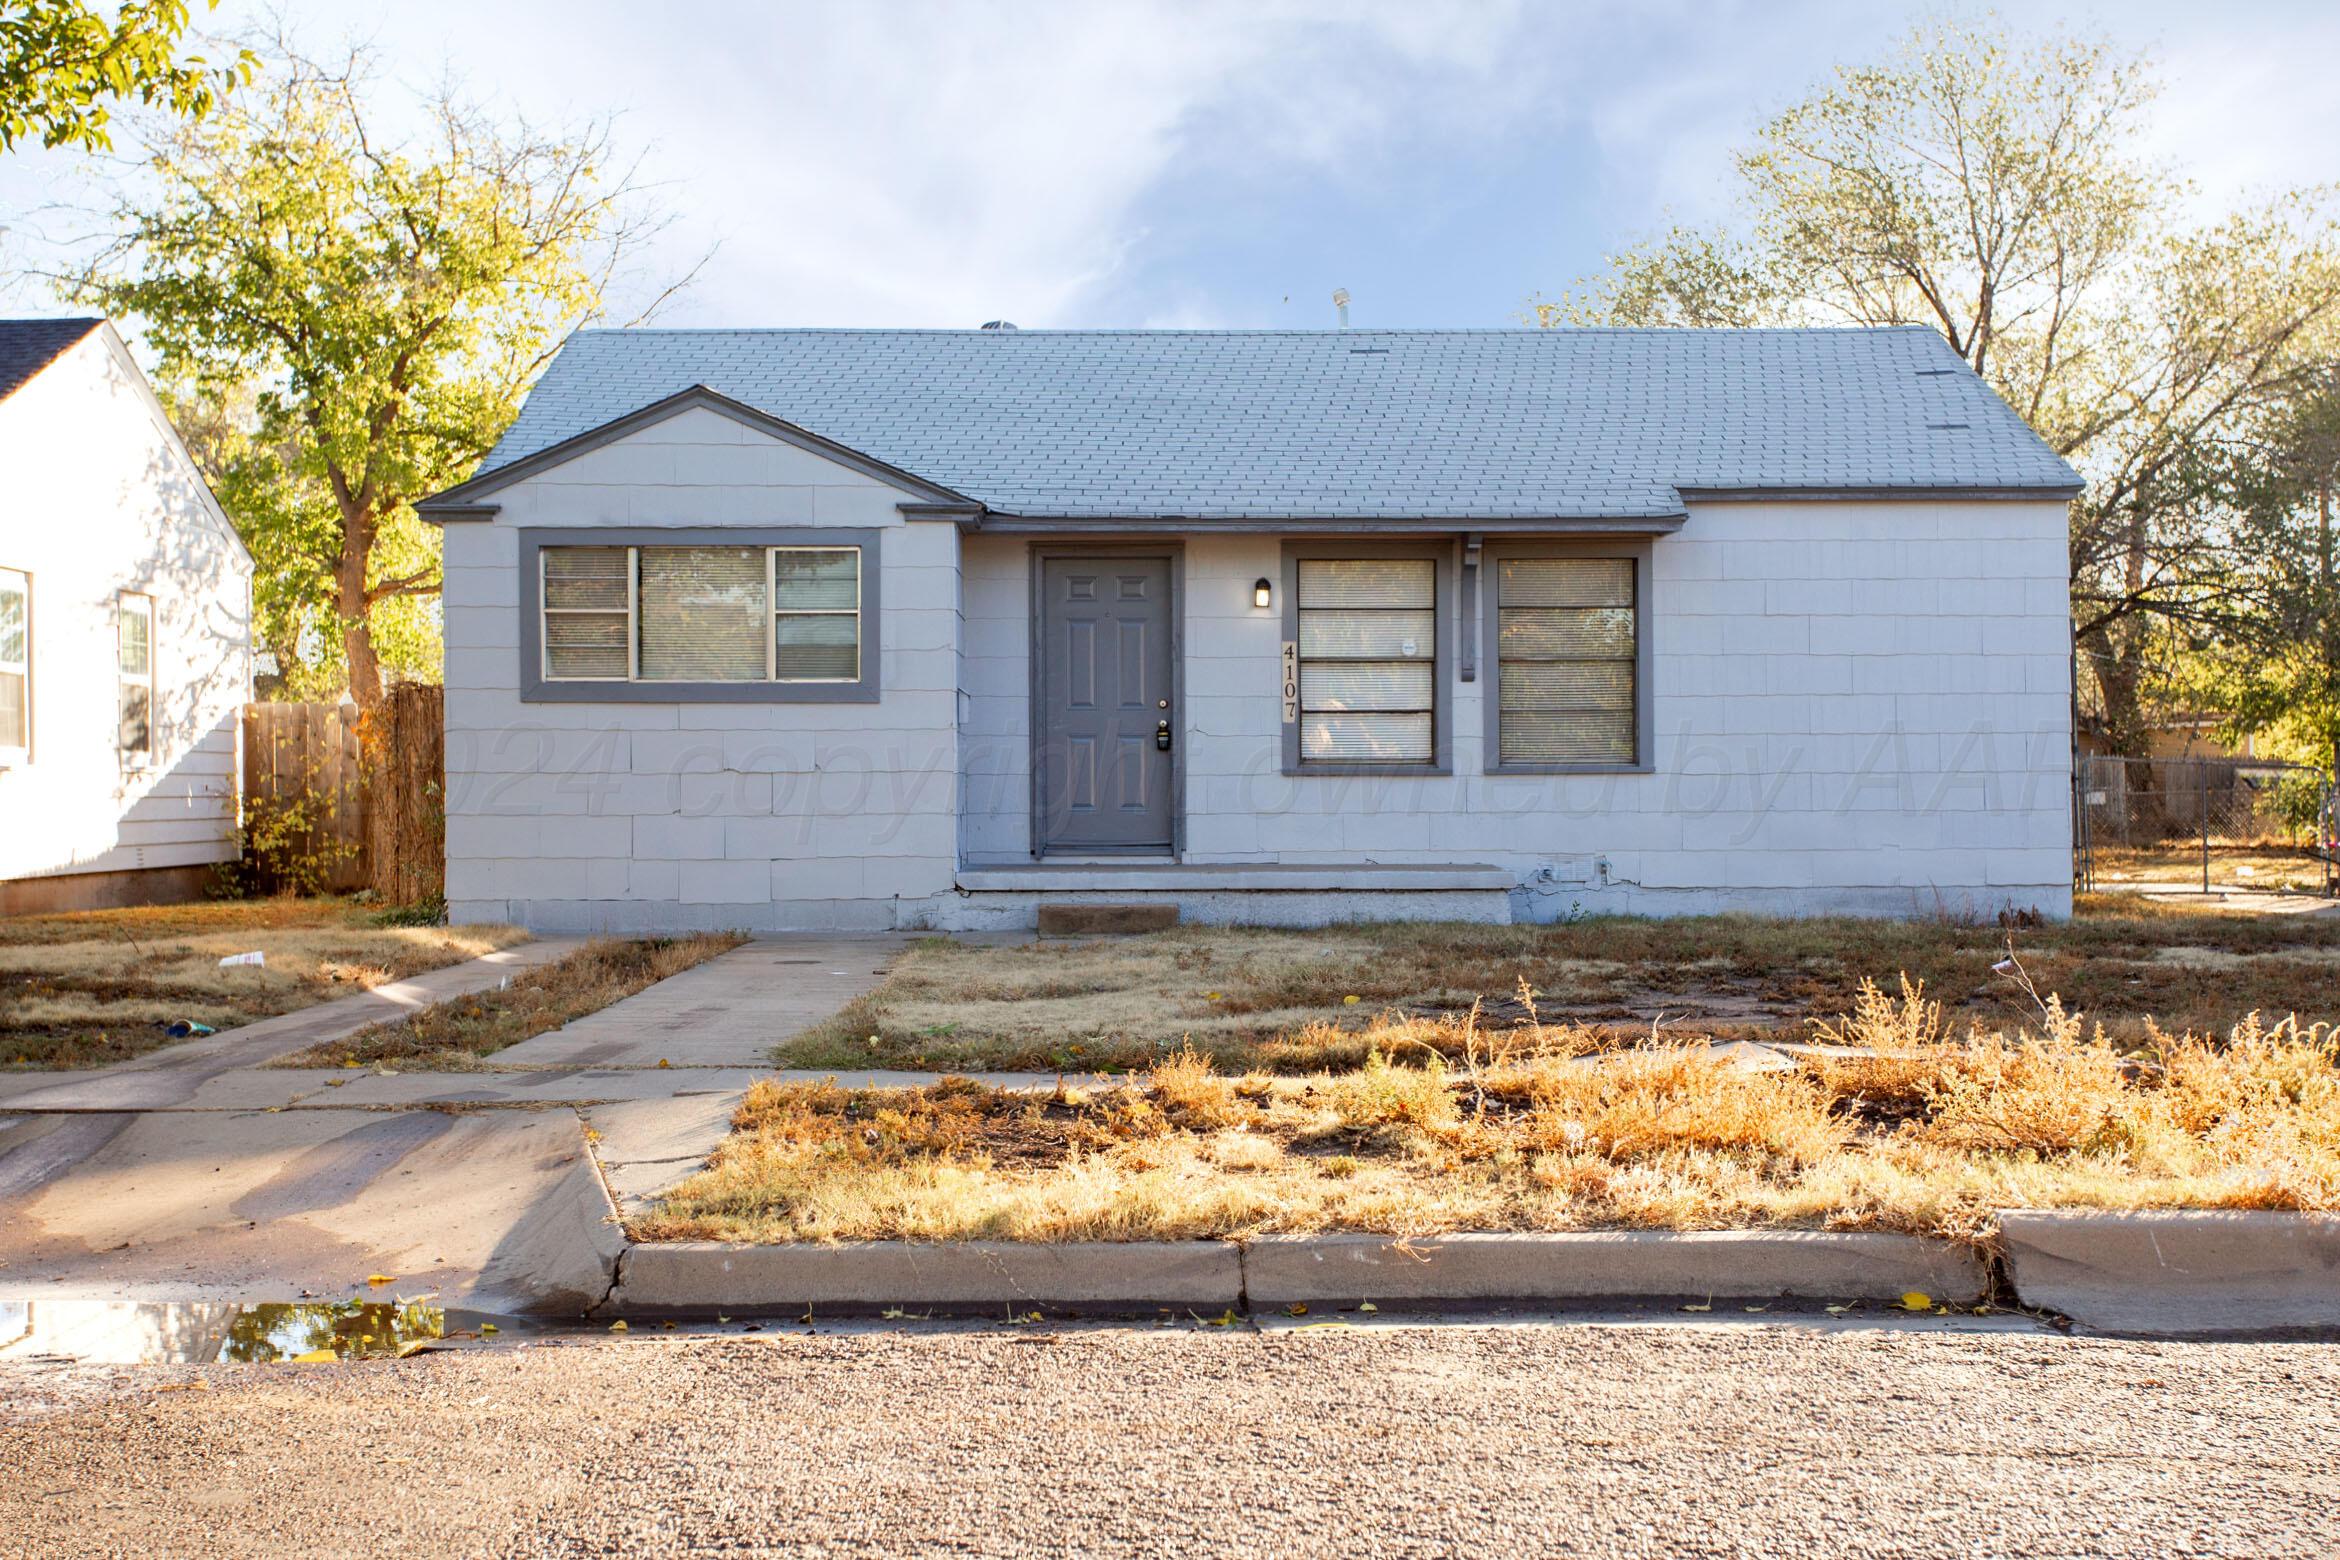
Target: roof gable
<point>1367,425</point>
<point>466,500</point>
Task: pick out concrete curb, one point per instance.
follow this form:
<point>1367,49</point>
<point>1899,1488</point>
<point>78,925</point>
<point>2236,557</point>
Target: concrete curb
<point>1609,1265</point>
<point>560,1259</point>
<point>695,1277</point>
<point>2177,1271</point>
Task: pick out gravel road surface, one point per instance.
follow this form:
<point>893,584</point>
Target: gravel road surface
<point>1570,1438</point>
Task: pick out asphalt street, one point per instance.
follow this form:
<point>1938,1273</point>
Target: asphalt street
<point>1684,1437</point>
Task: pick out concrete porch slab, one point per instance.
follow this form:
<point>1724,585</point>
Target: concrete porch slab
<point>1233,877</point>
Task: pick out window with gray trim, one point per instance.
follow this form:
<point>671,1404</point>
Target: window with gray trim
<point>1368,638</point>
<point>693,614</point>
<point>1567,645</point>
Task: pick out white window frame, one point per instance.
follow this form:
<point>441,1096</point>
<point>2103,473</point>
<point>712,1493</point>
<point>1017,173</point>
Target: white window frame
<point>20,752</point>
<point>772,599</point>
<point>633,621</point>
<point>1441,557</point>
<point>135,758</point>
<point>1637,551</point>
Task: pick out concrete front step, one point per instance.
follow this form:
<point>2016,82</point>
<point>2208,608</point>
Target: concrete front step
<point>1009,896</point>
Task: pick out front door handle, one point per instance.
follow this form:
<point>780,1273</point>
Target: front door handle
<point>1162,735</point>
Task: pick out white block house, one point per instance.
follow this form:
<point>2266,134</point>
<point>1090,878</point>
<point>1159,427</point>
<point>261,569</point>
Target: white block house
<point>899,629</point>
<point>125,634</point>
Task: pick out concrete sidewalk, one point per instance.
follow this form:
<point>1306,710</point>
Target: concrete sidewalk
<point>199,1173</point>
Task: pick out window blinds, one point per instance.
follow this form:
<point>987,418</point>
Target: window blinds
<point>1368,657</point>
<point>1566,641</point>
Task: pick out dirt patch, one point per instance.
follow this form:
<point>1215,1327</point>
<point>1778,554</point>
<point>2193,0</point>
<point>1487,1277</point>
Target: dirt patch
<point>1299,1001</point>
<point>102,986</point>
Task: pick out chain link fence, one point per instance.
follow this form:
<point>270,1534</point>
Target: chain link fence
<point>2206,823</point>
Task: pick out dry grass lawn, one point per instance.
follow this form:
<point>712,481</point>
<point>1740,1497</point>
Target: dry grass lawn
<point>1296,1002</point>
<point>2268,867</point>
<point>459,1035</point>
<point>1900,1128</point>
<point>101,986</point>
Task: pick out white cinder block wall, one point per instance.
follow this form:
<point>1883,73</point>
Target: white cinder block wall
<point>101,498</point>
<point>620,816</point>
<point>1859,707</point>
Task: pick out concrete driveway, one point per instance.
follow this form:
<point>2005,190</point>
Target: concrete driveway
<point>200,1173</point>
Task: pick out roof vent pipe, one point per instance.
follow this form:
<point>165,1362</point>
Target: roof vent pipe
<point>999,325</point>
<point>1341,305</point>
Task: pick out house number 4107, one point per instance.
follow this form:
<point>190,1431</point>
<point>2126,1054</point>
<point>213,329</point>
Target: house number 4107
<point>1291,681</point>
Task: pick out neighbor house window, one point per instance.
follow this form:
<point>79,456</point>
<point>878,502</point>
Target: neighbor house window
<point>134,643</point>
<point>1568,642</point>
<point>699,614</point>
<point>15,665</point>
<point>1368,637</point>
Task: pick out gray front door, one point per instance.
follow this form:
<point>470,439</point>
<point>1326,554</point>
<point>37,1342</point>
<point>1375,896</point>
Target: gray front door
<point>1102,769</point>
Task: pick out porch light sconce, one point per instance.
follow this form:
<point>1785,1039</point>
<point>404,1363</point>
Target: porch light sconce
<point>1262,594</point>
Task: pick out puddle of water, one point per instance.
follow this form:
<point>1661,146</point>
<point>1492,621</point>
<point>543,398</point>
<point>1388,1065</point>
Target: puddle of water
<point>203,1332</point>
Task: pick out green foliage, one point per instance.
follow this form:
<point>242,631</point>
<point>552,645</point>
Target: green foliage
<point>64,64</point>
<point>349,320</point>
<point>289,842</point>
<point>427,912</point>
<point>1995,190</point>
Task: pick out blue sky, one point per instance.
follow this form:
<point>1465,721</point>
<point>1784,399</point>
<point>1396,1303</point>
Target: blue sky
<point>1125,162</point>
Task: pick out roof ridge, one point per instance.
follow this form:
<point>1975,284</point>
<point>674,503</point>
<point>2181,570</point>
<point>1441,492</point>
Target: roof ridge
<point>1556,331</point>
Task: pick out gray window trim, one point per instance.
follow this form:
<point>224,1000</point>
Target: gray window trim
<point>1644,638</point>
<point>536,688</point>
<point>1442,653</point>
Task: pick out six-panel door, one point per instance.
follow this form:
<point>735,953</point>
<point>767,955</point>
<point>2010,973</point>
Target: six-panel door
<point>1103,761</point>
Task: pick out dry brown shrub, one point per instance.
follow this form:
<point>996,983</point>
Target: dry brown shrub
<point>1637,1104</point>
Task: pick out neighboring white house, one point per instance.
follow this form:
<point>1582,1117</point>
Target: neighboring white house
<point>781,629</point>
<point>125,634</point>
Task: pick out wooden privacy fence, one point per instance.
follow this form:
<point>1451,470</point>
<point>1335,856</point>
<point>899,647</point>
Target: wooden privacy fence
<point>405,746</point>
<point>334,802</point>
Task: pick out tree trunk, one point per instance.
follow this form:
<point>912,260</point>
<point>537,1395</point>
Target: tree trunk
<point>357,630</point>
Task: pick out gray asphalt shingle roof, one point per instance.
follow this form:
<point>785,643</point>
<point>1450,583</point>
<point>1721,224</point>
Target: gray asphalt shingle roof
<point>1335,424</point>
<point>28,346</point>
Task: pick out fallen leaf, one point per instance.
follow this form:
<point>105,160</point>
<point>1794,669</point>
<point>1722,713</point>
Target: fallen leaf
<point>488,1329</point>
<point>1916,1301</point>
<point>663,1062</point>
<point>1754,1309</point>
<point>1838,1310</point>
<point>619,1325</point>
<point>1706,1307</point>
<point>1295,1309</point>
<point>1367,1305</point>
<point>379,1279</point>
<point>1348,1002</point>
<point>316,1357</point>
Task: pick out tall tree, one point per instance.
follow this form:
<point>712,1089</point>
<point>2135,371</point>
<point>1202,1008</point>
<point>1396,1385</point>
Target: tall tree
<point>65,64</point>
<point>383,303</point>
<point>2281,671</point>
<point>1995,191</point>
